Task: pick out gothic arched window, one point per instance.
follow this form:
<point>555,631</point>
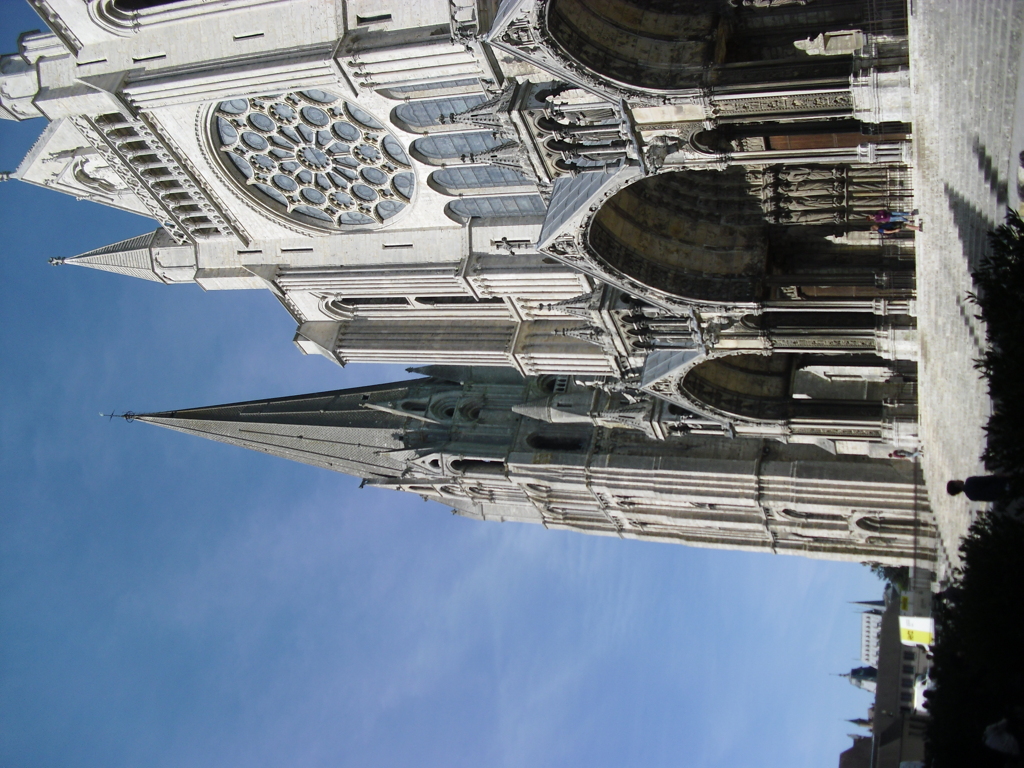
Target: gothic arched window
<point>417,115</point>
<point>498,207</point>
<point>456,146</point>
<point>553,384</point>
<point>888,525</point>
<point>447,301</point>
<point>126,17</point>
<point>479,466</point>
<point>345,307</point>
<point>426,90</point>
<point>476,177</point>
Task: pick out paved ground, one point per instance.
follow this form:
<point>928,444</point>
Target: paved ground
<point>969,131</point>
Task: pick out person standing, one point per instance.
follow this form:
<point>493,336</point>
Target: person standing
<point>980,487</point>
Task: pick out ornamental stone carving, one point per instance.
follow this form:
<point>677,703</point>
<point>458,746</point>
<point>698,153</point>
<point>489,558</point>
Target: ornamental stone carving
<point>314,158</point>
<point>814,102</point>
<point>95,174</point>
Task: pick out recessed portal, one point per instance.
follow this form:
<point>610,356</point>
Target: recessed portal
<point>695,234</point>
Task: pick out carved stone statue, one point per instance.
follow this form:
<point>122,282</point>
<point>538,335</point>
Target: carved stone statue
<point>839,43</point>
<point>93,173</point>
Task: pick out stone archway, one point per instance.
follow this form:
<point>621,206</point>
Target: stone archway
<point>743,235</point>
<point>699,235</point>
<point>658,44</point>
<point>785,386</point>
<point>676,44</point>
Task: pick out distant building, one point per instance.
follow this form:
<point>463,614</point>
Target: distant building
<point>896,718</point>
<point>870,626</point>
<point>865,678</point>
<point>857,756</point>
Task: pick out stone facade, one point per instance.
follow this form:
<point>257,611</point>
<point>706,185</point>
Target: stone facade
<point>651,214</point>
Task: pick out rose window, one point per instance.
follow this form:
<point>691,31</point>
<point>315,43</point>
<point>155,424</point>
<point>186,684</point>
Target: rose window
<point>316,158</point>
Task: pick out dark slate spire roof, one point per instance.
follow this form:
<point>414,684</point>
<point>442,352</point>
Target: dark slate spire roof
<point>333,430</point>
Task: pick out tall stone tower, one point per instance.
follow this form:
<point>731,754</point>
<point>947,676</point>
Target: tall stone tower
<point>635,232</point>
<point>494,445</point>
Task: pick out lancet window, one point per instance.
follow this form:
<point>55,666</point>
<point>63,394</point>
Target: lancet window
<point>462,147</point>
<point>420,115</point>
<point>498,207</point>
<point>479,466</point>
<point>462,179</point>
<point>428,90</point>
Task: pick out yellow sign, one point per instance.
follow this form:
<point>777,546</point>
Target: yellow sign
<point>917,630</point>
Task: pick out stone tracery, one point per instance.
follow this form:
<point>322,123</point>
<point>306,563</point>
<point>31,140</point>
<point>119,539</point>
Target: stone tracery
<point>315,157</point>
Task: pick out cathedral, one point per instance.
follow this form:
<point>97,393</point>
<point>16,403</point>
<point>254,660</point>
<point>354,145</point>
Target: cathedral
<point>629,246</point>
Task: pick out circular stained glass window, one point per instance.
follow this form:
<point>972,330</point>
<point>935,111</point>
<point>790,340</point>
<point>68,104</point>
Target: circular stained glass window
<point>315,158</point>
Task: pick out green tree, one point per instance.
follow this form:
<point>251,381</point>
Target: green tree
<point>1000,297</point>
<point>978,658</point>
<point>897,575</point>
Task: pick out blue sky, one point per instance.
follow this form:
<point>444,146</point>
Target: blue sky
<point>168,601</point>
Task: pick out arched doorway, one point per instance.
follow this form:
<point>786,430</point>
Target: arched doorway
<point>696,234</point>
<point>744,235</point>
<point>675,44</point>
<point>786,386</point>
<point>660,44</point>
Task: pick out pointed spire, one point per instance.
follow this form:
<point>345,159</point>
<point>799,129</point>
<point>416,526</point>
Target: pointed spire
<point>538,409</point>
<point>488,114</point>
<point>338,430</point>
<point>566,408</point>
<point>135,257</point>
<point>463,373</point>
<point>131,257</point>
<point>586,303</point>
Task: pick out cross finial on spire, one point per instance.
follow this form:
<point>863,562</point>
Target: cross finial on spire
<point>127,415</point>
<point>56,261</point>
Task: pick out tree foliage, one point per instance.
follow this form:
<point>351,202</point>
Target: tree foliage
<point>979,653</point>
<point>897,575</point>
<point>1000,297</point>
